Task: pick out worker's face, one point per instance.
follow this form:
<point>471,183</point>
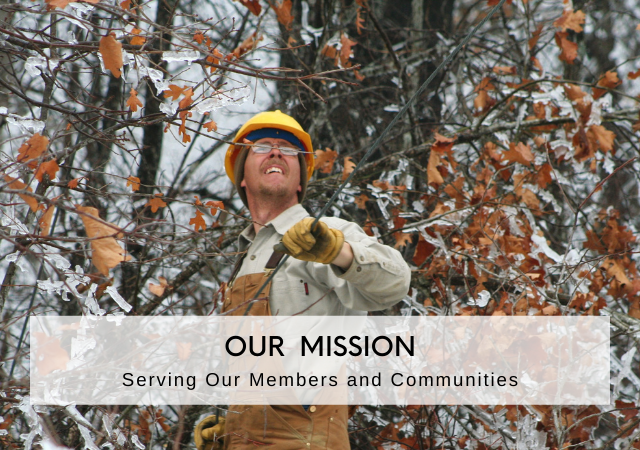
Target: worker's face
<point>272,174</point>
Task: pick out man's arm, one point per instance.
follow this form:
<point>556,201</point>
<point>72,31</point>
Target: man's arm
<point>366,275</point>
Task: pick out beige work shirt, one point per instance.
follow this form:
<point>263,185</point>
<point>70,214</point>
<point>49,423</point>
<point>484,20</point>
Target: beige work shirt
<point>377,279</point>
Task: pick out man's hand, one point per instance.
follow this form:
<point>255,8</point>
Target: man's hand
<point>322,244</point>
<point>207,433</point>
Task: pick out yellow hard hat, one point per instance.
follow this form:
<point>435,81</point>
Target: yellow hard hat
<point>269,119</point>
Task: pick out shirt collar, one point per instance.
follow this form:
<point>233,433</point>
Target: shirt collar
<point>281,224</point>
<point>289,218</point>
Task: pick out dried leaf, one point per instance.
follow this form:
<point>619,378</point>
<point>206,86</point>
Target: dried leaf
<point>155,203</point>
<point>433,174</point>
<point>535,37</point>
<point>32,149</point>
<point>184,104</point>
<point>615,270</point>
<point>106,252</point>
<point>198,221</point>
<point>133,102</point>
<point>174,92</point>
<point>569,49</point>
<point>609,80</point>
<point>134,182</point>
<point>603,137</point>
<point>634,75</point>
<point>211,126</point>
<point>126,5</point>
<point>137,40</point>
<point>73,184</point>
<point>215,59</point>
<point>423,250</point>
<point>544,175</point>
<point>111,51</point>
<point>505,70</point>
<point>330,52</point>
<point>401,238</point>
<point>574,92</point>
<point>248,44</point>
<point>520,153</point>
<point>325,160</point>
<point>45,221</point>
<point>14,183</point>
<point>570,20</point>
<point>63,3</point>
<point>345,50</point>
<point>158,289</point>
<point>215,206</point>
<point>482,100</point>
<point>443,144</point>
<point>359,21</point>
<point>252,5</point>
<point>184,350</point>
<point>361,201</point>
<point>49,167</point>
<point>283,13</point>
<point>198,37</point>
<point>50,355</point>
<point>349,165</point>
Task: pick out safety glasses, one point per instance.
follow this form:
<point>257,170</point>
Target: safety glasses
<point>266,148</point>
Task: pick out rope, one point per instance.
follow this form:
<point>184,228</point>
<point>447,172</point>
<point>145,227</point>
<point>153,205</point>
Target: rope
<point>378,141</point>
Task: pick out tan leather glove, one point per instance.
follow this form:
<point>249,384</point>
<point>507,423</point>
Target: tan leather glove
<point>208,432</point>
<point>321,245</point>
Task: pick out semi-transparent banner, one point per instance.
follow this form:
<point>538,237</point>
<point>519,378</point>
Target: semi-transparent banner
<point>320,360</point>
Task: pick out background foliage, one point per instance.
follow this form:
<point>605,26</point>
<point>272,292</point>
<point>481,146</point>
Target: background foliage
<point>511,186</point>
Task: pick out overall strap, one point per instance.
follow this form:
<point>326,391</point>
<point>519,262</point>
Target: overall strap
<point>236,269</point>
<point>273,262</point>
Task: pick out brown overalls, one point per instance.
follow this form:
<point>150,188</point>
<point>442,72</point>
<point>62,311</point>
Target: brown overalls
<point>282,427</point>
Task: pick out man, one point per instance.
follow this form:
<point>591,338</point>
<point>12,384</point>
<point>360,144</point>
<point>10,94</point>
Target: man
<point>335,269</point>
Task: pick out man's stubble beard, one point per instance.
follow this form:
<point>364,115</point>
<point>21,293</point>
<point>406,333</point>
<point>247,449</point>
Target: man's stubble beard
<point>275,192</point>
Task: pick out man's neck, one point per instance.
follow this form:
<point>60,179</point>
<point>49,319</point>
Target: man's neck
<point>264,211</point>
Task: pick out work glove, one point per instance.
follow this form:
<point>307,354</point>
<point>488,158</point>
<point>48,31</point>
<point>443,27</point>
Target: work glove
<point>322,244</point>
<point>208,432</point>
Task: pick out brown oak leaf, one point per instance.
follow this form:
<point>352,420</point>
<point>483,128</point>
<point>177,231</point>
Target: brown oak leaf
<point>105,251</point>
<point>111,51</point>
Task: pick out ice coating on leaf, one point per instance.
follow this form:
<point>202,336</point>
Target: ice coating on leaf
<point>80,345</point>
<point>624,371</point>
<point>26,124</point>
<point>235,96</point>
<point>482,300</point>
<point>157,78</point>
<point>32,420</point>
<point>33,63</point>
<point>169,108</point>
<point>116,317</point>
<point>58,261</point>
<point>136,442</point>
<point>311,34</point>
<point>528,437</point>
<point>184,56</point>
<point>89,444</point>
<point>13,223</point>
<point>122,303</point>
<point>91,302</point>
<point>63,288</point>
<point>75,414</point>
<point>14,258</point>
